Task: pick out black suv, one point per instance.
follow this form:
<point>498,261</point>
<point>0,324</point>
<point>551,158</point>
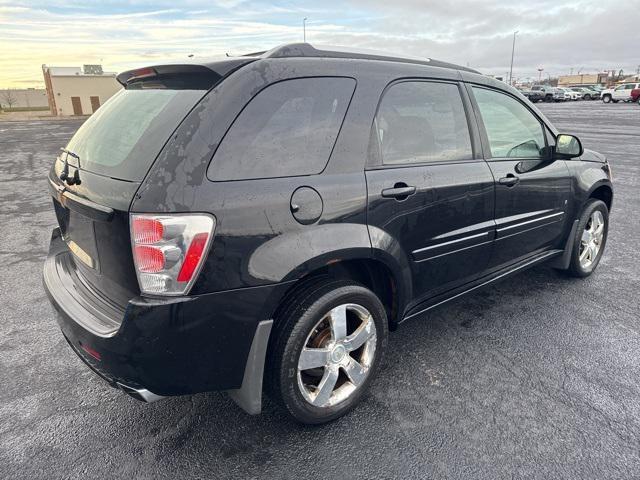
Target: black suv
<point>269,218</point>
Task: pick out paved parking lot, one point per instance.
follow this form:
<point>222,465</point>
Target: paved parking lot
<point>537,377</point>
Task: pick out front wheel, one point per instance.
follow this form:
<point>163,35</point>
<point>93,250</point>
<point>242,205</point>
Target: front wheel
<point>606,99</point>
<point>590,240</point>
<point>329,342</point>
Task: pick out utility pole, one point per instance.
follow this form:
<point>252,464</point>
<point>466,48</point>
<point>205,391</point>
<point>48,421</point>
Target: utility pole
<point>304,29</point>
<point>513,48</point>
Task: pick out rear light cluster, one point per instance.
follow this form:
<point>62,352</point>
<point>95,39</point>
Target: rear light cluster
<point>168,250</point>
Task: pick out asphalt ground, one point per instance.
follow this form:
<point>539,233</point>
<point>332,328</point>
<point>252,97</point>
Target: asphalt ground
<point>535,377</point>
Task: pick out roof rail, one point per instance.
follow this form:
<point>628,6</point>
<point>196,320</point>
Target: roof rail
<point>307,50</point>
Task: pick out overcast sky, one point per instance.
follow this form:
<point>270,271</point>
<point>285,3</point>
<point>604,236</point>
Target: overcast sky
<point>555,35</point>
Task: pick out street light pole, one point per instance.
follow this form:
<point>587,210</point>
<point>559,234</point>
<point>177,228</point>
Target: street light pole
<point>304,29</point>
<point>513,48</point>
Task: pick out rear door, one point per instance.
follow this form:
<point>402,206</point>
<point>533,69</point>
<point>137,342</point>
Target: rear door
<point>430,194</point>
<point>532,191</point>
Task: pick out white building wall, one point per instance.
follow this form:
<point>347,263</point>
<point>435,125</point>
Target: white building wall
<point>83,86</point>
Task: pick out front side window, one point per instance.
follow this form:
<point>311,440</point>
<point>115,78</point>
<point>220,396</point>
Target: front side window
<point>420,122</point>
<point>288,129</point>
<point>513,131</point>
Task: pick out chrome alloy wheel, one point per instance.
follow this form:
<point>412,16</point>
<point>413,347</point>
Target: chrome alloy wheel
<point>337,355</point>
<point>591,240</point>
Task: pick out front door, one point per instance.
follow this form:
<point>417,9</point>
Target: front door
<point>431,197</point>
<point>532,191</point>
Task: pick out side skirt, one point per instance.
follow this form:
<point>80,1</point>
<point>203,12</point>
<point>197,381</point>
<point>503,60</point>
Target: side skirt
<point>470,287</point>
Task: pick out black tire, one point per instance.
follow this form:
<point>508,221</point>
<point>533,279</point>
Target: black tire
<point>576,269</point>
<point>638,102</point>
<point>548,98</point>
<point>587,97</point>
<point>606,99</point>
<point>296,319</point>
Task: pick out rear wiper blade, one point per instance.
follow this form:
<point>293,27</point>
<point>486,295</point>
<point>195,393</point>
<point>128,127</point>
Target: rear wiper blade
<point>64,175</point>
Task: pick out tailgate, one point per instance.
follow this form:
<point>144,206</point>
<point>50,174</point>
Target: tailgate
<point>94,223</point>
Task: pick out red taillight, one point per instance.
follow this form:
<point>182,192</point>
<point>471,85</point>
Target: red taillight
<point>150,259</point>
<point>91,351</point>
<point>168,250</point>
<point>147,230</point>
<point>192,259</point>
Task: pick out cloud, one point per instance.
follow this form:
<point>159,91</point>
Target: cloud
<point>121,34</point>
<point>558,36</point>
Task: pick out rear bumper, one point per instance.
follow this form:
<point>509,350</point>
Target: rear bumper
<point>160,347</point>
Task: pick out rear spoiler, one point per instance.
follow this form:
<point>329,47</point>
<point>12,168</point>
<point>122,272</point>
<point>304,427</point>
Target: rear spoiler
<point>188,75</point>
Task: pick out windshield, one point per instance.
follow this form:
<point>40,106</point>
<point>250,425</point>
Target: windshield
<point>123,138</point>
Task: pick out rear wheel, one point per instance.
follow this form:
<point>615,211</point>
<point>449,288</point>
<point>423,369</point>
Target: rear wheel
<point>590,240</point>
<point>606,99</point>
<point>329,343</point>
<point>587,97</point>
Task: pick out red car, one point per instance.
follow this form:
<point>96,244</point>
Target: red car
<point>635,95</point>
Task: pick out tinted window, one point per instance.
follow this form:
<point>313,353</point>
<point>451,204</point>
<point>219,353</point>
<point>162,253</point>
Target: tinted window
<point>124,136</point>
<point>513,131</point>
<point>422,122</point>
<point>288,129</point>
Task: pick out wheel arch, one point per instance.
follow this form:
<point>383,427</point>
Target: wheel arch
<point>602,191</point>
<point>380,276</point>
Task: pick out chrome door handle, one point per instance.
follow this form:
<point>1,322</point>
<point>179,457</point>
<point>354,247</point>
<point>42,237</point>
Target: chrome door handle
<point>510,180</point>
<point>399,193</point>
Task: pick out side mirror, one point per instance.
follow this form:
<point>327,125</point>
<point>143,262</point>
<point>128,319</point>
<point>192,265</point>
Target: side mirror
<point>568,146</point>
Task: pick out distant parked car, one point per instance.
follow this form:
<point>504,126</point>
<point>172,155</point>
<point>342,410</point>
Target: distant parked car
<point>635,95</point>
<point>619,93</point>
<point>545,90</point>
<point>534,96</point>
<point>587,93</point>
<point>595,87</point>
<point>571,94</point>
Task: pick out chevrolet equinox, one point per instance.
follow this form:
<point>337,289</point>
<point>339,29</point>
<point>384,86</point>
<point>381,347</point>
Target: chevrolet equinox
<point>262,222</point>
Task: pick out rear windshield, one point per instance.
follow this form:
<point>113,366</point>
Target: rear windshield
<point>123,138</point>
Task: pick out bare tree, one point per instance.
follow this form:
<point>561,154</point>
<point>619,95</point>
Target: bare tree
<point>8,97</point>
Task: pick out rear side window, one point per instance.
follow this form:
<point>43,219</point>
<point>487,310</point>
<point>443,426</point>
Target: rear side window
<point>288,129</point>
<point>124,136</point>
<point>422,122</point>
